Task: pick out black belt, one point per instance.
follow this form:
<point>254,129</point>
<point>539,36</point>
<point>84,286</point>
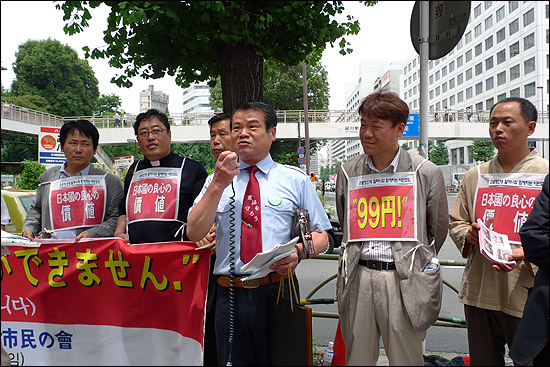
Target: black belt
<point>377,265</point>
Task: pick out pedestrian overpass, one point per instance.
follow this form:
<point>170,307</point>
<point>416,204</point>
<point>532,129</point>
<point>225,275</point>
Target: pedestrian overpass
<point>327,124</point>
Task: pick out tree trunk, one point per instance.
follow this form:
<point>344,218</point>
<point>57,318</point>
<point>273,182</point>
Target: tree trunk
<point>241,72</point>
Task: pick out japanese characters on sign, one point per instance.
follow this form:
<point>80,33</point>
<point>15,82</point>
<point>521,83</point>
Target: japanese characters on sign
<point>77,201</point>
<point>508,198</point>
<point>154,194</point>
<point>64,301</point>
<point>382,207</point>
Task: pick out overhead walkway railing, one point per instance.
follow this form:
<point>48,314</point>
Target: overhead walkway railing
<point>31,116</point>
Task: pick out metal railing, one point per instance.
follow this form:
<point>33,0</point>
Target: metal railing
<point>34,117</point>
<point>442,321</point>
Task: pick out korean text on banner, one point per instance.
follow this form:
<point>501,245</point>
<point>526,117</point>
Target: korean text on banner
<point>101,302</point>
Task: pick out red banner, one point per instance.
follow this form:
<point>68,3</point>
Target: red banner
<point>100,301</point>
<point>382,212</point>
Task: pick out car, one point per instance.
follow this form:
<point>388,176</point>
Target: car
<point>335,234</point>
<point>18,203</point>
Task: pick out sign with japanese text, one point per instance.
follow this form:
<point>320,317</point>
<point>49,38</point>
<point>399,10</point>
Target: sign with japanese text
<point>154,194</point>
<point>77,201</point>
<point>412,129</point>
<point>382,207</point>
<point>508,198</point>
<point>49,149</point>
<point>102,302</point>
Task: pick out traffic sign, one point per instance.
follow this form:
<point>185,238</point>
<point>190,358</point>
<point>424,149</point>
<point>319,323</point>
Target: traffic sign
<point>412,129</point>
<point>448,21</point>
<point>301,150</point>
<point>301,160</point>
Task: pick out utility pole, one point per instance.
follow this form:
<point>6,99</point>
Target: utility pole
<point>306,125</point>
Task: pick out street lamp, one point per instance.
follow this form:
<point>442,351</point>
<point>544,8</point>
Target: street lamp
<point>133,141</point>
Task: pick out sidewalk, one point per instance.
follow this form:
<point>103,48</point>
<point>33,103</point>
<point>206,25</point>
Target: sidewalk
<point>383,360</point>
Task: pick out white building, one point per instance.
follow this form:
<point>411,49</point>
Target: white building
<point>373,75</point>
<point>196,99</point>
<point>149,98</point>
<point>503,53</point>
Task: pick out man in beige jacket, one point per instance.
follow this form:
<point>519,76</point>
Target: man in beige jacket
<point>384,288</point>
<point>494,294</point>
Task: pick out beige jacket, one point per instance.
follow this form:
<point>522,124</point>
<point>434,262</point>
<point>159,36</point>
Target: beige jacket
<point>482,286</point>
<point>420,291</point>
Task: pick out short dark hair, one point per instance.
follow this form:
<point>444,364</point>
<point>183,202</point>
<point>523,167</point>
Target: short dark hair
<point>85,127</point>
<point>218,117</point>
<point>270,116</point>
<point>385,106</point>
<point>528,110</point>
<point>149,114</point>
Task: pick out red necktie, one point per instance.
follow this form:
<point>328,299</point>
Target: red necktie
<point>251,226</point>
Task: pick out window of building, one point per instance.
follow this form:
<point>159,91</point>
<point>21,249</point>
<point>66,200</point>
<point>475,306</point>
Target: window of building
<point>444,71</point>
<point>479,68</point>
<point>547,10</point>
<point>479,106</point>
<point>478,49</point>
<point>415,90</point>
<point>479,88</point>
<point>514,72</point>
<point>501,78</point>
<point>460,96</point>
<point>489,83</point>
<point>444,103</point>
<point>432,94</point>
<point>431,79</point>
<point>438,106</point>
<point>501,56</point>
<point>405,70</point>
<point>488,22</point>
<point>468,37</point>
<point>477,11</point>
<point>410,80</point>
<point>500,14</point>
<point>500,97</point>
<point>451,100</point>
<point>437,75</point>
<point>405,82</point>
<point>489,103</point>
<point>452,83</point>
<point>529,17</point>
<point>469,74</point>
<point>529,41</point>
<point>459,61</point>
<point>468,92</point>
<point>489,63</point>
<point>437,91</point>
<point>459,44</point>
<point>529,65</point>
<point>488,4</point>
<point>514,92</point>
<point>414,63</point>
<point>529,90</point>
<point>512,5</point>
<point>444,87</point>
<point>489,43</point>
<point>415,75</point>
<point>514,26</point>
<point>468,55</point>
<point>501,35</point>
<point>477,30</point>
<point>451,66</point>
<point>514,49</point>
<point>459,79</point>
<point>409,68</point>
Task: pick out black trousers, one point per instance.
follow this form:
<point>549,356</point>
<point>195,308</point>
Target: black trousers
<point>250,345</point>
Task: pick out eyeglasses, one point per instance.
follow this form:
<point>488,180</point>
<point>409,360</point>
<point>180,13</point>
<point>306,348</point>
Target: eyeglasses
<point>145,134</point>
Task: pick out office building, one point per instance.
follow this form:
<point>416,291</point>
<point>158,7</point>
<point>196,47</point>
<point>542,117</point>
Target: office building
<point>503,53</point>
<point>196,100</point>
<point>150,98</point>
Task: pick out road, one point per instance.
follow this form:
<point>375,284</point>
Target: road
<point>438,338</point>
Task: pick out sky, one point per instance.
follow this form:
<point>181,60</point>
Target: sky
<point>384,36</point>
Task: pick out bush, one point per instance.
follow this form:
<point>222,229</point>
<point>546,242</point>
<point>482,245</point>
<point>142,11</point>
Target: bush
<point>29,177</point>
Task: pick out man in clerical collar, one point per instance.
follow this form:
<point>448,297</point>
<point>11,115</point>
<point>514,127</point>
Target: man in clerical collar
<point>158,190</point>
<point>69,200</point>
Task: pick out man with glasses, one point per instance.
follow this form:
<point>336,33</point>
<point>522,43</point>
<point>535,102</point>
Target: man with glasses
<point>158,190</point>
